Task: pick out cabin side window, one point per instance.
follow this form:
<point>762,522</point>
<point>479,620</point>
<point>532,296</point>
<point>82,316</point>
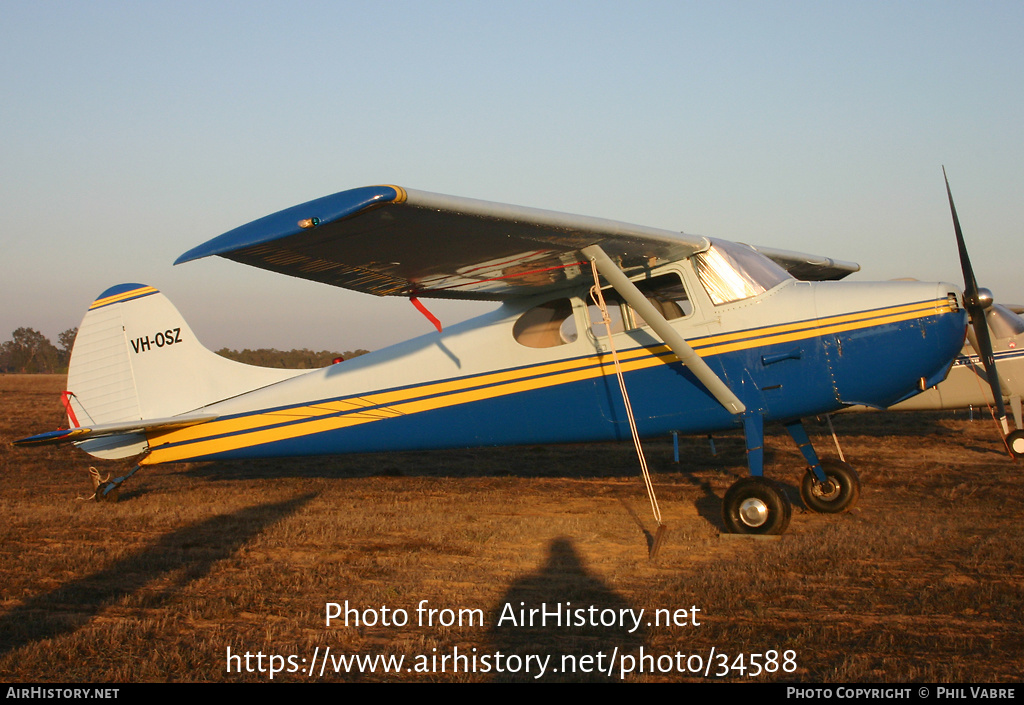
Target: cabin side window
<point>665,292</point>
<point>546,326</point>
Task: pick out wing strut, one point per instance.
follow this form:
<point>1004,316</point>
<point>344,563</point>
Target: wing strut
<point>598,297</point>
<point>635,298</point>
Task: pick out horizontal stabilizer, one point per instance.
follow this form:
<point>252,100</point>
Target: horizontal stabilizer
<point>84,433</point>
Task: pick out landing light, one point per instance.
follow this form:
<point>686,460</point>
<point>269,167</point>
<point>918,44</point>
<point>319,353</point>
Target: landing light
<point>308,223</point>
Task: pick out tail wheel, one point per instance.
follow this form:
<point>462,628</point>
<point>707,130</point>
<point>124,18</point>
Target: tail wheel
<point>838,493</point>
<point>756,505</point>
<point>103,494</point>
<point>1016,443</point>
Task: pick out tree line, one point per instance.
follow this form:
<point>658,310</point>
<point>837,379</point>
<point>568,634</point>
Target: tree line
<point>288,359</point>
<point>30,352</point>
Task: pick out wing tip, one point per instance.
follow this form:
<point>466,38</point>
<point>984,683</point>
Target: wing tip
<point>400,193</point>
<point>295,220</point>
<point>49,438</point>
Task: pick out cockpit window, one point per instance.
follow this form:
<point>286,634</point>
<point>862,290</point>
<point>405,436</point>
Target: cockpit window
<point>730,271</point>
<point>552,323</point>
<point>546,326</point>
<point>665,292</point>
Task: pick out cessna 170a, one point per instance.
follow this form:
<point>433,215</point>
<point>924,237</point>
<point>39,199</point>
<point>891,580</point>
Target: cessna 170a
<point>705,334</point>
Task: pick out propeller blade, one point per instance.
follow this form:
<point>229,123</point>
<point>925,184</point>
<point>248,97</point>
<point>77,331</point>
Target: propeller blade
<point>976,305</point>
<point>970,283</point>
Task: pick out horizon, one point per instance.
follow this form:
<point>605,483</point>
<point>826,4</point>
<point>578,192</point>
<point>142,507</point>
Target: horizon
<point>135,133</point>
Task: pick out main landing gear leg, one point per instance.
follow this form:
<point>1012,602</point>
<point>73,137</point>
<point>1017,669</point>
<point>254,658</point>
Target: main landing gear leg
<point>755,504</point>
<point>830,487</point>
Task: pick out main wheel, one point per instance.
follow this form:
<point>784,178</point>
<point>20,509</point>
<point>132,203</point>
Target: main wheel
<point>837,494</point>
<point>1016,442</point>
<point>756,505</point>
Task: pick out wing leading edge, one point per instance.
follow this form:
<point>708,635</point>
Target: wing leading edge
<point>391,241</point>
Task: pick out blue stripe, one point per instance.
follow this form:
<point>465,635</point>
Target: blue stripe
<point>1003,355</point>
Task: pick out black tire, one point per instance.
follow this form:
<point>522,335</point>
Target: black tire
<point>1015,441</point>
<point>839,494</point>
<point>756,505</point>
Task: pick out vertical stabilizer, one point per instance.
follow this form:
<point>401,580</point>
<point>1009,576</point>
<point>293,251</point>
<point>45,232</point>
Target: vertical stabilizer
<point>136,358</point>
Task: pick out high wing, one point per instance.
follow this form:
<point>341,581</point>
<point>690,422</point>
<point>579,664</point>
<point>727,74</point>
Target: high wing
<point>391,241</point>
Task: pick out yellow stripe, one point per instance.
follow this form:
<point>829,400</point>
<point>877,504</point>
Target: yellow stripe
<point>122,296</point>
<point>400,196</point>
<point>268,435</point>
<point>931,306</point>
<point>251,429</point>
<point>824,330</point>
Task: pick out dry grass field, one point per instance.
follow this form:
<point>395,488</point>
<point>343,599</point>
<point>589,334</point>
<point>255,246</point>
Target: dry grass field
<point>921,582</point>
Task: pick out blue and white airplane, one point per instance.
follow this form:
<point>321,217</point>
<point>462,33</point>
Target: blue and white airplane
<point>707,335</point>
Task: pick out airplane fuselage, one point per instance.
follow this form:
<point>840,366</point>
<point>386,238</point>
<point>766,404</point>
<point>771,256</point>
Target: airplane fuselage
<point>798,349</point>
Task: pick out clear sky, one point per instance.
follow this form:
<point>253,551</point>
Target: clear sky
<point>133,131</point>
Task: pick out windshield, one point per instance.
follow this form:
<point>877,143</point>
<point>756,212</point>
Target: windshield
<point>730,271</point>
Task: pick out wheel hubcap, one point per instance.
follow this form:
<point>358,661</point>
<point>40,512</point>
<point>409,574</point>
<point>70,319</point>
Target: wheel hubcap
<point>827,490</point>
<point>753,512</point>
<point>1017,445</point>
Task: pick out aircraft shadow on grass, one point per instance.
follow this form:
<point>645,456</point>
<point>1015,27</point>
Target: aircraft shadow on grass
<point>564,583</point>
<point>195,548</point>
<point>568,461</point>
